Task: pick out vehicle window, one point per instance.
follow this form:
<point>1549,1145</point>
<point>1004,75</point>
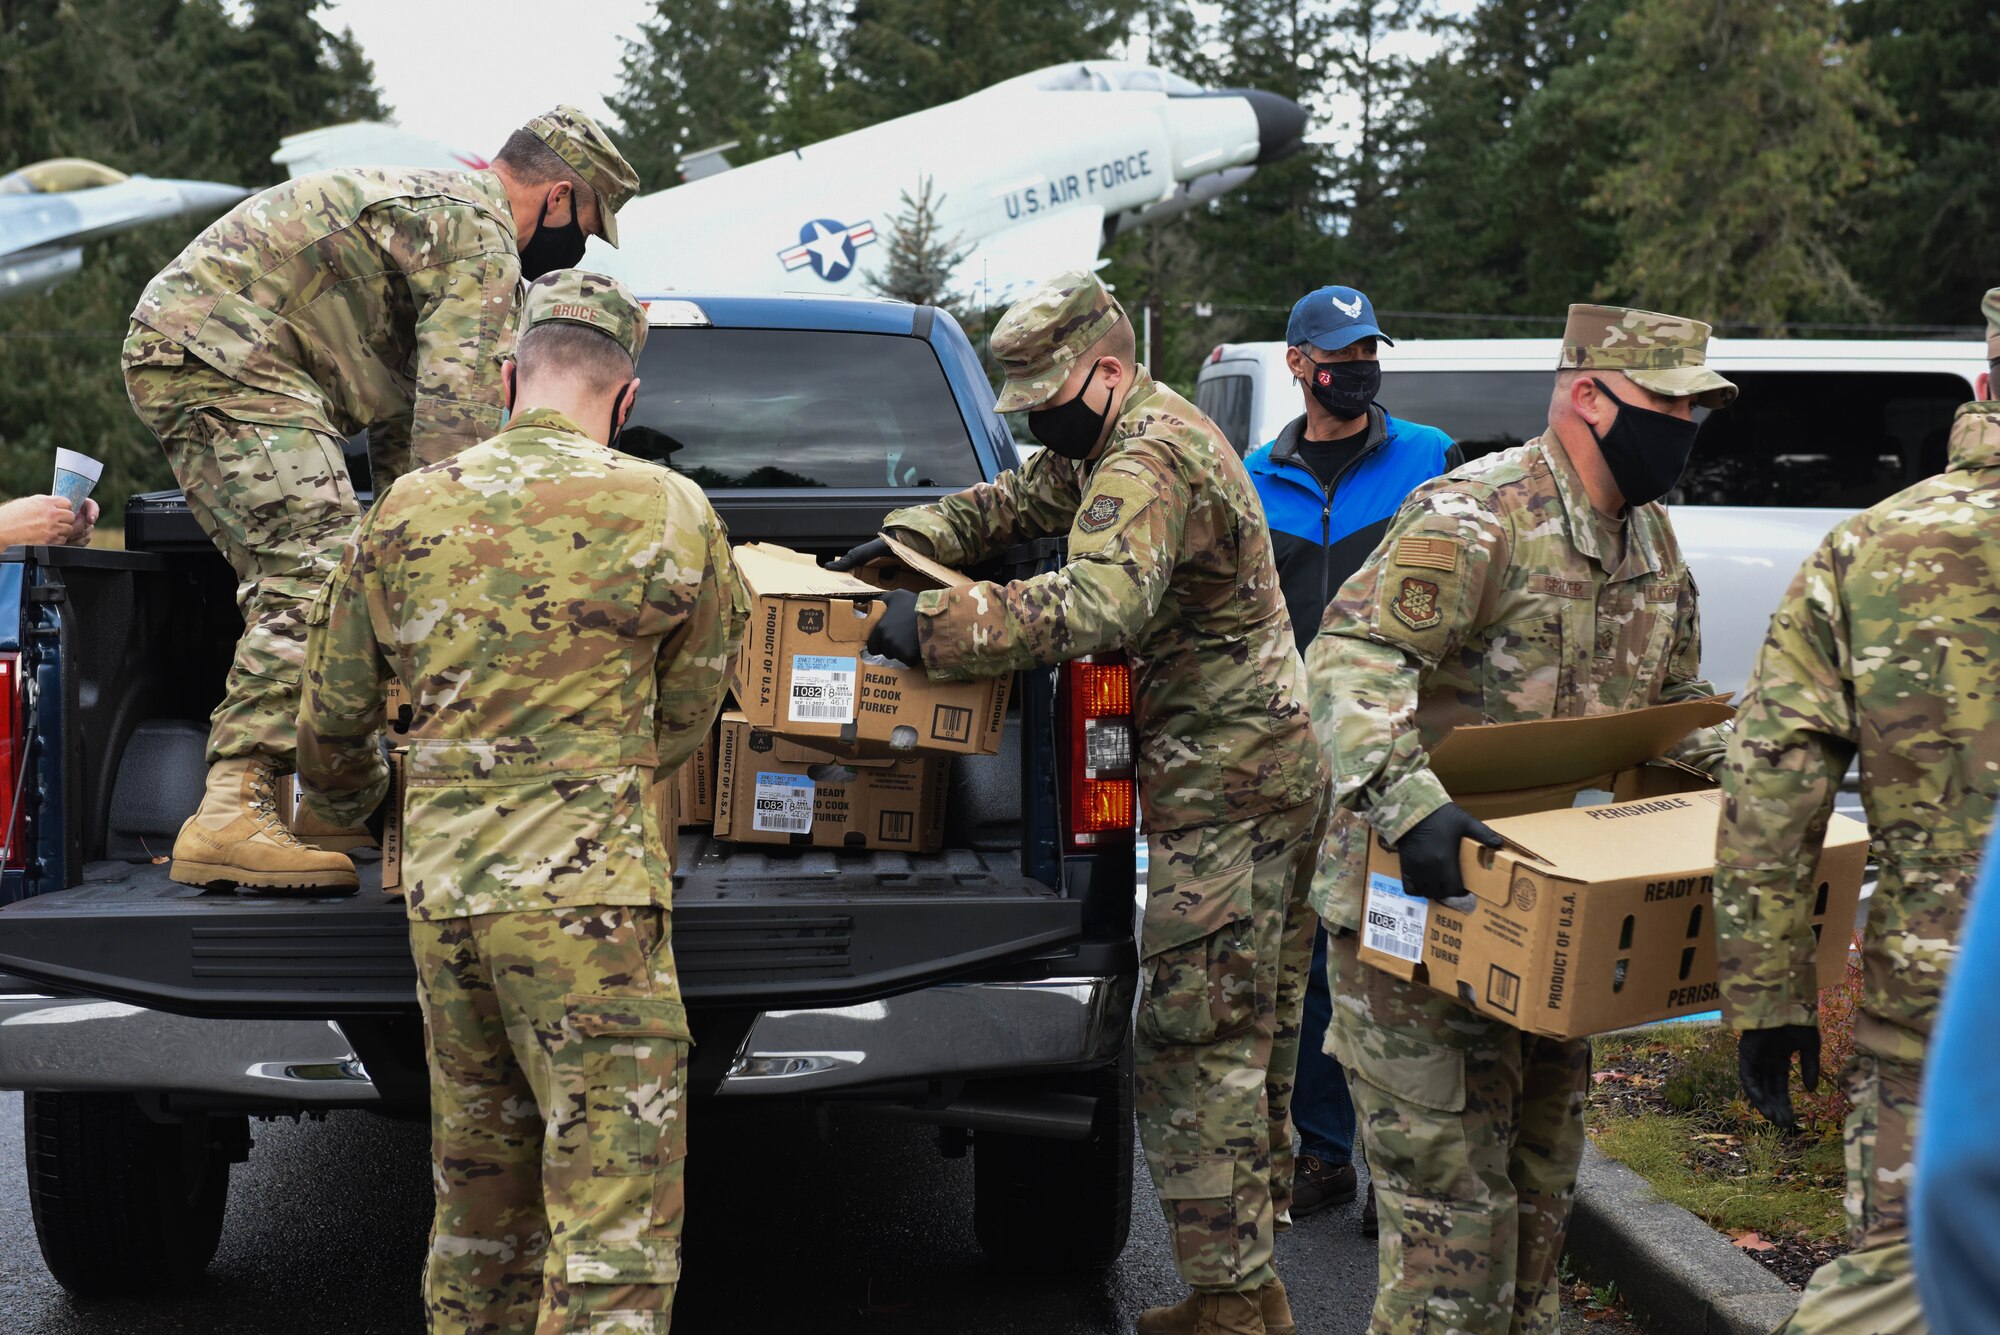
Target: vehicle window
<point>1225,399</point>
<point>798,408</point>
<point>1834,439</point>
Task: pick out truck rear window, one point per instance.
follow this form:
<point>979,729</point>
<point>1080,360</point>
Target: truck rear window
<point>1840,439</point>
<point>798,408</point>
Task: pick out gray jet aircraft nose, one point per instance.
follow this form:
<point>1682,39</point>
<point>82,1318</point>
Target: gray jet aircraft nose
<point>1280,121</point>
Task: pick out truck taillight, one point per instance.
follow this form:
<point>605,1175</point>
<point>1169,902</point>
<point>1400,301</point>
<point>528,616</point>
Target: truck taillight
<point>1101,752</point>
<point>13,748</point>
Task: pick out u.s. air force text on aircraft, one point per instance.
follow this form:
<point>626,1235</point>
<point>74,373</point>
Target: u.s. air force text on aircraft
<point>1066,189</point>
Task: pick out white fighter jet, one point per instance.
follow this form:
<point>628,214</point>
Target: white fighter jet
<point>1028,177</point>
<point>49,209</point>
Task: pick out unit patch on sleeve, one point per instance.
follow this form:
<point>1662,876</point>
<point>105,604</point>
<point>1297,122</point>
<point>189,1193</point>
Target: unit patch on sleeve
<point>1427,553</point>
<point>1416,604</point>
<point>1100,514</point>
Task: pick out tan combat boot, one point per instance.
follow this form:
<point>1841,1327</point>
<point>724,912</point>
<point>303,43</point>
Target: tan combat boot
<point>1206,1314</point>
<point>1276,1308</point>
<point>238,838</point>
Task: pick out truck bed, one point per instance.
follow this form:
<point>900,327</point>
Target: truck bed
<point>751,926</point>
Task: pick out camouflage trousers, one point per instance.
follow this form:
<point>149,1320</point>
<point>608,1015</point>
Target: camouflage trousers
<point>558,1077</point>
<point>277,503</point>
<point>1872,1290</point>
<point>1473,1133</point>
<point>1225,945</point>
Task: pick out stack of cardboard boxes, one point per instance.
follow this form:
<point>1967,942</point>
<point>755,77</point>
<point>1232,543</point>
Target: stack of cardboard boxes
<point>822,745</point>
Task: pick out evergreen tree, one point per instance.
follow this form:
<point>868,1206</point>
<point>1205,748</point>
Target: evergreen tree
<point>1926,250</point>
<point>701,73</point>
<point>1741,127</point>
<point>184,88</point>
<point>919,262</point>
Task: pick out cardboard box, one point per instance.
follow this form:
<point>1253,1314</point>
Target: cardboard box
<point>392,827</point>
<point>696,782</point>
<point>774,790</point>
<point>803,673</point>
<point>1596,916</point>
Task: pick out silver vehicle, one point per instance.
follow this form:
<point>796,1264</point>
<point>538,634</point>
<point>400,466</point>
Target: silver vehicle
<point>1822,428</point>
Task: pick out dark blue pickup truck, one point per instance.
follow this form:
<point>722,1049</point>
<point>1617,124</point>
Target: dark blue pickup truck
<point>986,988</point>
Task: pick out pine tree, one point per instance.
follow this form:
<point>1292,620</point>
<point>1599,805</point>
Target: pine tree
<point>1925,250</point>
<point>919,261</point>
<point>1742,128</point>
<point>701,73</point>
<point>183,88</point>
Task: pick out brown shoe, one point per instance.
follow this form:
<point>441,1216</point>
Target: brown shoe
<point>1320,1184</point>
<point>1206,1314</point>
<point>237,837</point>
<point>1370,1227</point>
<point>1276,1309</point>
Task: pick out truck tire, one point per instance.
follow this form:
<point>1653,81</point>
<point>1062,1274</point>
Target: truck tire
<point>1061,1203</point>
<point>123,1205</point>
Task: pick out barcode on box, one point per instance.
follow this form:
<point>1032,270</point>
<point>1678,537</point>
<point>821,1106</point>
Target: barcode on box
<point>822,689</point>
<point>950,723</point>
<point>783,804</point>
<point>896,827</point>
<point>1503,989</point>
<point>1392,923</point>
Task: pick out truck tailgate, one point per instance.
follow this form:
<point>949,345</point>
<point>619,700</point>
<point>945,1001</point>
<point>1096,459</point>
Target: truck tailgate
<point>812,927</point>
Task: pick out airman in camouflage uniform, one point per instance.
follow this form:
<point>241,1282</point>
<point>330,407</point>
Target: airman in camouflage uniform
<point>563,617</point>
<point>1170,561</point>
<point>343,300</point>
<point>1885,646</point>
<point>1519,586</point>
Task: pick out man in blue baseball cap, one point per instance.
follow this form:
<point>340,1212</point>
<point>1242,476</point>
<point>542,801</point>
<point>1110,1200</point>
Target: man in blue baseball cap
<point>1330,483</point>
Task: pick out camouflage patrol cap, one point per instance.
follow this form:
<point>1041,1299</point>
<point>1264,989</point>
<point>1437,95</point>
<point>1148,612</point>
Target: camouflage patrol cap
<point>1040,337</point>
<point>605,304</point>
<point>578,141</point>
<point>1662,353</point>
<point>1991,309</point>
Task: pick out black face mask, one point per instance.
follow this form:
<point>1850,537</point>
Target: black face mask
<point>1345,389</point>
<point>1646,451</point>
<point>1070,429</point>
<point>552,248</point>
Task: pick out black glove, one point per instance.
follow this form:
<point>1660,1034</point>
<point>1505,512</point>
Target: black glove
<point>1764,1064</point>
<point>895,635</point>
<point>1429,852</point>
<point>872,550</point>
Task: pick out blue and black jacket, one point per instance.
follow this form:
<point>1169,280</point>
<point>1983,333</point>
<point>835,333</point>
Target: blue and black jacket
<point>1320,538</point>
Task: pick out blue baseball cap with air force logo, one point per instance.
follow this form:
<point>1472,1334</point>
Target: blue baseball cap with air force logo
<point>1332,318</point>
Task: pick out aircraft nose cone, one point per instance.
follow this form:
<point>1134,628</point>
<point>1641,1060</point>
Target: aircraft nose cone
<point>1280,123</point>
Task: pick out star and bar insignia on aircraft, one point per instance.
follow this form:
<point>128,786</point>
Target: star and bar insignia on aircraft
<point>828,246</point>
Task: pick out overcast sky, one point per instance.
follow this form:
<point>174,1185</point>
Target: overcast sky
<point>470,83</point>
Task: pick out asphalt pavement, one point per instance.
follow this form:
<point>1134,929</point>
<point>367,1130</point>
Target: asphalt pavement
<point>868,1230</point>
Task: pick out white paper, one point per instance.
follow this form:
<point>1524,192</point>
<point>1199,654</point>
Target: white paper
<point>822,689</point>
<point>784,804</point>
<point>1392,922</point>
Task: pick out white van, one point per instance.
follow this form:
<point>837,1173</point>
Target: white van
<point>1822,428</point>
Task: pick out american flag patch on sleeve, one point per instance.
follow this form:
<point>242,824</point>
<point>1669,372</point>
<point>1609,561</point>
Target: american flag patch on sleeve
<point>1427,553</point>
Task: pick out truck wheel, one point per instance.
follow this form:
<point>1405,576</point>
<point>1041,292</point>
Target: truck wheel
<point>1063,1203</point>
<point>124,1205</point>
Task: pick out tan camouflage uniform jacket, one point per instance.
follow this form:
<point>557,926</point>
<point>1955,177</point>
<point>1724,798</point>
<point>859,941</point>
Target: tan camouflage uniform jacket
<point>1169,560</point>
<point>1887,644</point>
<point>563,616</point>
<point>1488,601</point>
<point>350,299</point>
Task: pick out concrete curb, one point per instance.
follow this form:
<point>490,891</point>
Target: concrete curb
<point>1679,1276</point>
